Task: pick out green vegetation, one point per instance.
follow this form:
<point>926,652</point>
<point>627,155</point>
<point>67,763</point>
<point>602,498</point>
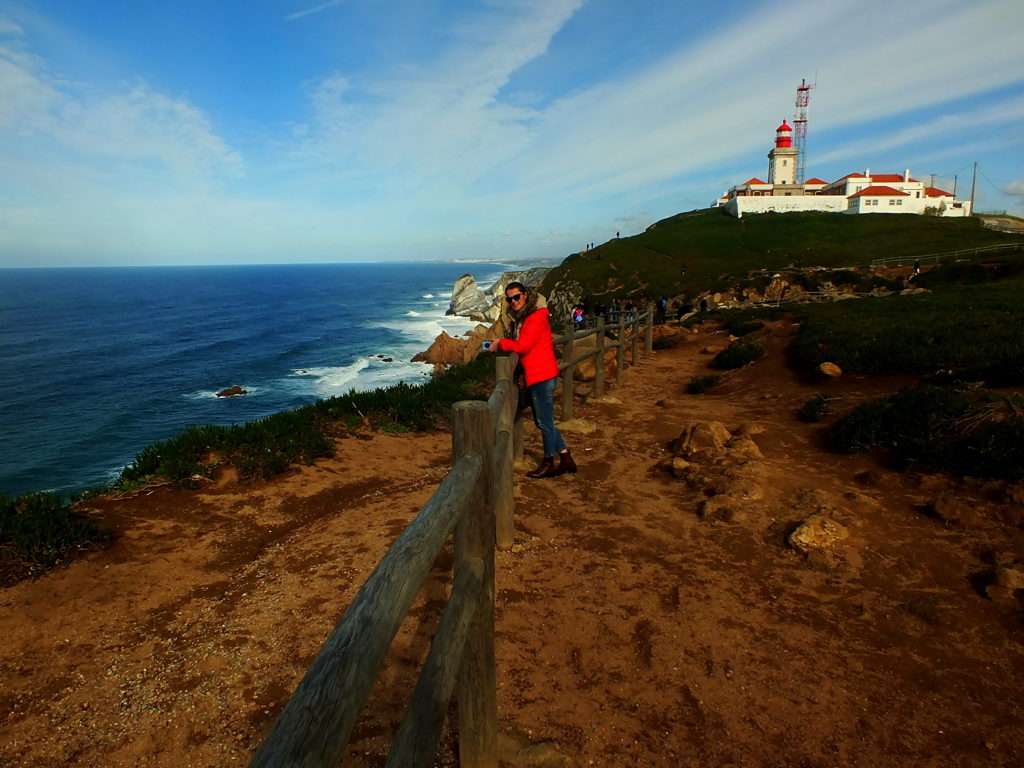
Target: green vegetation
<point>698,385</point>
<point>718,251</point>
<point>738,354</point>
<point>268,446</point>
<point>972,331</point>
<point>962,431</point>
<point>814,409</point>
<point>38,531</point>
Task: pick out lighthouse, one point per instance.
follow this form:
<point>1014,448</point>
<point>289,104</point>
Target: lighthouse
<point>782,159</point>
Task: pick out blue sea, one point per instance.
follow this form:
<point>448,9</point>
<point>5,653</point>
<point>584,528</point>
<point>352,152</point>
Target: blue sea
<point>95,364</point>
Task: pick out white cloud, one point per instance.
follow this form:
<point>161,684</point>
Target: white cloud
<point>1015,188</point>
<point>314,9</point>
<point>9,28</point>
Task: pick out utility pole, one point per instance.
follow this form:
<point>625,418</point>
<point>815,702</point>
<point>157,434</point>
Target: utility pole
<point>931,182</point>
<point>974,180</point>
<point>954,186</point>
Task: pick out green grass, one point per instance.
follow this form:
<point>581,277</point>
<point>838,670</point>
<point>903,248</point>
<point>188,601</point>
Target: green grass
<point>268,446</point>
<point>718,250</point>
<point>698,385</point>
<point>965,432</point>
<point>973,332</point>
<point>738,354</point>
<point>40,530</point>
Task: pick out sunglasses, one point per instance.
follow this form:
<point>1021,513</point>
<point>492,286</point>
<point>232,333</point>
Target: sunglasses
<point>514,298</point>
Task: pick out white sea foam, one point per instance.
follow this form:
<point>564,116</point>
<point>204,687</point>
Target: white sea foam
<point>412,313</point>
<point>427,296</point>
<point>366,373</point>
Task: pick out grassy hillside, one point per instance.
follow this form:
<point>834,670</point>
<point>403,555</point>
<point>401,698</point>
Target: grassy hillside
<point>716,248</point>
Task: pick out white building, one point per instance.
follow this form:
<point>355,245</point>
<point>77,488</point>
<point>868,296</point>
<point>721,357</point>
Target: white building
<point>854,193</point>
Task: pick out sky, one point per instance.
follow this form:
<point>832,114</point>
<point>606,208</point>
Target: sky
<point>136,132</point>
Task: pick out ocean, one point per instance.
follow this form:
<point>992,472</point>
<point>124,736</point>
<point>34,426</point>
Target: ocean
<point>95,364</point>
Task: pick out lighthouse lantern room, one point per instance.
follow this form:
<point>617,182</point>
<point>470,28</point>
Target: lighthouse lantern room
<point>782,159</point>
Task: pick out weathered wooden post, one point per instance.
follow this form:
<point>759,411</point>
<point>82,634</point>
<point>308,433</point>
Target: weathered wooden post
<point>504,451</point>
<point>476,689</point>
<point>620,351</point>
<point>649,333</point>
<point>567,374</point>
<point>635,339</point>
<point>599,360</point>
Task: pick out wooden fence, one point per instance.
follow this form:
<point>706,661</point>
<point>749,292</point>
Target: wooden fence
<point>963,253</point>
<point>626,327</point>
<point>475,503</point>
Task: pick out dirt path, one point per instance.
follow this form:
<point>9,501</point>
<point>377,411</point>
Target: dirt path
<point>630,631</point>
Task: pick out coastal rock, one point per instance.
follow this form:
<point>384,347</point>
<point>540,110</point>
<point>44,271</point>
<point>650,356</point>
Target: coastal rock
<point>468,300</point>
<point>445,350</point>
<point>234,391</point>
<point>531,278</point>
<point>1008,584</point>
<point>702,438</point>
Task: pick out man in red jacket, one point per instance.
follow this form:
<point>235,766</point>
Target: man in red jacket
<point>530,337</point>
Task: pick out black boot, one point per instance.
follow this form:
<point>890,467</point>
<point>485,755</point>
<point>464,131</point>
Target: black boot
<point>544,468</point>
<point>566,465</point>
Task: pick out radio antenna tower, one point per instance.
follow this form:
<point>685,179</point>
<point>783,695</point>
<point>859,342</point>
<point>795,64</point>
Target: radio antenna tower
<point>803,100</point>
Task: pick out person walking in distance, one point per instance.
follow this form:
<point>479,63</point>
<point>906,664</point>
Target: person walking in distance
<point>530,337</point>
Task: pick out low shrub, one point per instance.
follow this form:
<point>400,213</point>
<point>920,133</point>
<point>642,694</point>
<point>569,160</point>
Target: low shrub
<point>700,384</point>
<point>972,331</point>
<point>965,432</point>
<point>738,354</point>
<point>41,530</point>
<point>742,327</point>
<point>814,409</point>
<point>267,446</point>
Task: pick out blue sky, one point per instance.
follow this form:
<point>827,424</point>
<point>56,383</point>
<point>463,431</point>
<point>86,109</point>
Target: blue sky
<point>138,132</point>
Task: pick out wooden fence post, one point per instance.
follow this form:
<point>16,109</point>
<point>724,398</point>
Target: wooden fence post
<point>599,361</point>
<point>649,334</point>
<point>567,374</point>
<point>635,339</point>
<point>476,690</point>
<point>504,522</point>
<point>620,351</point>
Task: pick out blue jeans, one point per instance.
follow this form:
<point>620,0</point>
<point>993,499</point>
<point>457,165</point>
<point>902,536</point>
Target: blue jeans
<point>542,401</point>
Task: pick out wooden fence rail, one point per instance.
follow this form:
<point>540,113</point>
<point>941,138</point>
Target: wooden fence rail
<point>945,255</point>
<point>627,329</point>
<point>474,501</point>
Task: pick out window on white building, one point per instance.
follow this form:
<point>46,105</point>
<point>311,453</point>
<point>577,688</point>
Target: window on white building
<point>892,202</point>
<point>899,202</point>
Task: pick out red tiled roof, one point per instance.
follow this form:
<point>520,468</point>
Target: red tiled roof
<point>936,192</point>
<point>815,180</point>
<point>753,180</point>
<point>889,178</point>
<point>879,191</point>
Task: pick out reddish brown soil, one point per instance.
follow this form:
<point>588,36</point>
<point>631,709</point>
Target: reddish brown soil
<point>630,632</point>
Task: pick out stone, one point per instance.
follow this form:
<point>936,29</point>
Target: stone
<point>467,299</point>
<point>831,370</point>
<point>749,428</point>
<point>818,534</point>
<point>717,509</point>
<point>913,291</point>
<point>679,466</point>
<point>776,289</point>
<point>744,447</point>
<point>1008,586</point>
<point>446,350</point>
<point>234,391</point>
<point>706,438</point>
<point>950,510</point>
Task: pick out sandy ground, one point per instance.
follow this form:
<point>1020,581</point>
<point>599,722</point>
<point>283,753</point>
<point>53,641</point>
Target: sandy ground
<point>630,631</point>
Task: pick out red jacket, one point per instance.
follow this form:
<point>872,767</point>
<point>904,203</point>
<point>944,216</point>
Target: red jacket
<point>535,347</point>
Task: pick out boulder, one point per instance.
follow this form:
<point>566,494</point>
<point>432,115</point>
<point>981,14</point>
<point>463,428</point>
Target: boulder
<point>706,439</point>
<point>1008,585</point>
<point>831,370</point>
<point>234,391</point>
<point>951,510</point>
<point>445,350</point>
<point>818,535</point>
<point>776,289</point>
<point>679,466</point>
<point>467,299</point>
<point>744,448</point>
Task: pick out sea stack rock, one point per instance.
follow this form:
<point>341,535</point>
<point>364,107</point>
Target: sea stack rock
<point>232,392</point>
<point>444,351</point>
<point>468,300</point>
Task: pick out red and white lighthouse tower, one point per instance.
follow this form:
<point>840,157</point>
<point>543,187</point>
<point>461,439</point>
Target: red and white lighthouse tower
<point>782,160</point>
